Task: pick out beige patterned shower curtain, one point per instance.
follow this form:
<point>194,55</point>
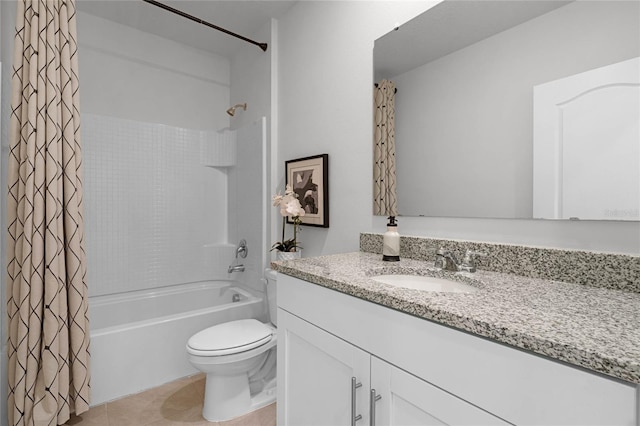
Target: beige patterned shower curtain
<point>384,150</point>
<point>48,327</point>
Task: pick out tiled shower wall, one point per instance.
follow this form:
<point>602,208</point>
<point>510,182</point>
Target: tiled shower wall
<point>247,202</point>
<point>155,214</point>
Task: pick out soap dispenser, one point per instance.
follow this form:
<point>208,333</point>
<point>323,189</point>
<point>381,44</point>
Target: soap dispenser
<point>391,242</point>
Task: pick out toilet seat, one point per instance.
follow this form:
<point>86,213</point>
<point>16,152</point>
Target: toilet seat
<point>230,338</point>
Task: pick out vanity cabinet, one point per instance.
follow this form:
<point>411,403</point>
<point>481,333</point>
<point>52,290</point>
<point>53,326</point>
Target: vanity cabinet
<point>328,381</point>
<point>322,374</point>
<point>408,400</point>
<point>425,373</point>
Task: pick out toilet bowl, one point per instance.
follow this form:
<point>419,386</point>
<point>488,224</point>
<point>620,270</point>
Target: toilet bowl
<point>231,354</point>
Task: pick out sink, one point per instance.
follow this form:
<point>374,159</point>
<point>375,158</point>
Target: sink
<point>420,282</point>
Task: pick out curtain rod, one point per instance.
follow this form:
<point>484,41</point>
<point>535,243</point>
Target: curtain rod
<point>262,46</point>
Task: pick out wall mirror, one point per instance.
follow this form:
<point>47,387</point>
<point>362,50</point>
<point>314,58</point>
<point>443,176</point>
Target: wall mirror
<point>524,109</point>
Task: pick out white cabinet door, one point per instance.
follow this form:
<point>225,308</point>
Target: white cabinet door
<point>409,401</point>
<point>315,371</point>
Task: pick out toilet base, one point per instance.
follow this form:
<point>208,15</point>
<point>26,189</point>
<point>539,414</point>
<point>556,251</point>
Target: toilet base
<point>226,398</point>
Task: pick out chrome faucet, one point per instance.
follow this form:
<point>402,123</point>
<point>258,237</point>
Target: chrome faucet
<point>448,261</point>
<point>469,260</point>
<point>242,249</point>
<point>235,268</point>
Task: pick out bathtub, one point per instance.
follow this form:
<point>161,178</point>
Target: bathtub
<point>138,338</point>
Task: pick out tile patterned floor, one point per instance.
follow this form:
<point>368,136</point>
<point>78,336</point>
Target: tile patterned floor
<point>176,403</point>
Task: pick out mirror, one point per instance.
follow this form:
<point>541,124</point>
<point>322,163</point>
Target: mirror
<point>466,73</point>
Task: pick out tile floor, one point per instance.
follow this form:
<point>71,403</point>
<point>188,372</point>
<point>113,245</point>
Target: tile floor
<point>176,403</point>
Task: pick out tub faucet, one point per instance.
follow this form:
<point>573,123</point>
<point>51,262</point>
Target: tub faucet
<point>242,249</point>
<point>235,268</point>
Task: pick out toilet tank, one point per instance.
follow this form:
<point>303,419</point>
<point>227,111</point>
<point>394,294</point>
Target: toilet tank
<point>271,278</point>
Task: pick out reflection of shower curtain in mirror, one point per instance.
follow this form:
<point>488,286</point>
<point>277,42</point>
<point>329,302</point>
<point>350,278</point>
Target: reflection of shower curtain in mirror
<point>384,150</point>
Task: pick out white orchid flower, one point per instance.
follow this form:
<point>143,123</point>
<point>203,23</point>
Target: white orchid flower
<point>277,199</point>
<point>289,191</point>
<point>293,208</point>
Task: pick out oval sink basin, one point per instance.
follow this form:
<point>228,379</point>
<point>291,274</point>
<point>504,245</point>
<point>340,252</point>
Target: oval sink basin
<point>420,282</point>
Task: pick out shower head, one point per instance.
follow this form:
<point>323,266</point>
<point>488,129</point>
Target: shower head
<point>232,111</point>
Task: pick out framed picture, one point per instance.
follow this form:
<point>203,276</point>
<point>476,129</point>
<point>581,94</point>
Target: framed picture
<point>309,178</point>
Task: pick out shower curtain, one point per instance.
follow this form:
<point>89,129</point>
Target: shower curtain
<point>384,150</point>
<point>48,329</point>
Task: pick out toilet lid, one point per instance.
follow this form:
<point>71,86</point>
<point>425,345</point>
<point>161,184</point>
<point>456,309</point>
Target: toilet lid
<point>231,337</point>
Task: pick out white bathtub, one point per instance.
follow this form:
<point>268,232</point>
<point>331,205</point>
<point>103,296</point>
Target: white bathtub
<point>138,338</point>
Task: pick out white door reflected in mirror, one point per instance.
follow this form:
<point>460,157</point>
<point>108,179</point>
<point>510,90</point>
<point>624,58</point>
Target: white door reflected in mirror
<point>586,160</point>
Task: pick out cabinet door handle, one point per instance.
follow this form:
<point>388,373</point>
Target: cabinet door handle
<point>372,407</point>
<point>354,417</point>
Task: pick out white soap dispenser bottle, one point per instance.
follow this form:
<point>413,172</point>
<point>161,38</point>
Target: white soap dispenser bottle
<point>391,242</point>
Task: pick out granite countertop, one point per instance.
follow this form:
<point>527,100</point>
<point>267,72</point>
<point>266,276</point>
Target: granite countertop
<point>594,328</point>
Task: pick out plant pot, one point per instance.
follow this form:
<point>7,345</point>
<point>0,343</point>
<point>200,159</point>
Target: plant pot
<point>289,255</point>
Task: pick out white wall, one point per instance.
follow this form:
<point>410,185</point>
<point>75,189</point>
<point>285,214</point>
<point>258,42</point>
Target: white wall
<point>250,78</point>
<point>469,115</point>
<point>247,202</point>
<point>325,105</point>
<point>251,82</point>
<point>139,76</point>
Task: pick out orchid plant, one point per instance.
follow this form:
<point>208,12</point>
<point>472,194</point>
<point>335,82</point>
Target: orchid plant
<point>289,206</point>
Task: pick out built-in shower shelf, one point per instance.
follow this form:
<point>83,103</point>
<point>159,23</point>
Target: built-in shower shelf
<point>218,149</point>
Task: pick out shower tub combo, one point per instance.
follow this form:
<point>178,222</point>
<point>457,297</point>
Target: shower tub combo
<point>138,339</point>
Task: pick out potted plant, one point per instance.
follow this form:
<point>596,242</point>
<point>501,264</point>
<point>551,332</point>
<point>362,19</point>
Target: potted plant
<point>289,205</point>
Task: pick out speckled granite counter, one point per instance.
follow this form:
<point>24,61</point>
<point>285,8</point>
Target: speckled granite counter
<point>594,328</point>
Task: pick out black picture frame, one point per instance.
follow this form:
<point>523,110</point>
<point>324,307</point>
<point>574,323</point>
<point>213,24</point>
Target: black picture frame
<point>309,178</point>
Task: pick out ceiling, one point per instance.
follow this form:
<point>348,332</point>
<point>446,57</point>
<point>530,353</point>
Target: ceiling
<point>243,17</point>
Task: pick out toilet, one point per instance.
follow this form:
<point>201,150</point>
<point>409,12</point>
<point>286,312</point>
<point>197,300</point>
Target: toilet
<point>239,359</point>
